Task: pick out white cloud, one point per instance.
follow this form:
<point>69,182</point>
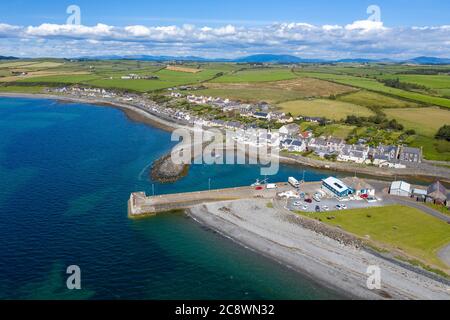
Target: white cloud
<point>361,38</point>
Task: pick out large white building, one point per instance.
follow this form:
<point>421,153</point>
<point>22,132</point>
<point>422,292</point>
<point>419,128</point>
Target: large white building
<point>400,188</point>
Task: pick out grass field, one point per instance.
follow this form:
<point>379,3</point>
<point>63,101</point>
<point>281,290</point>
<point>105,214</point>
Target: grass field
<point>425,121</point>
<point>22,89</point>
<point>433,149</point>
<point>274,92</point>
<point>373,85</point>
<point>372,99</point>
<point>429,81</point>
<point>331,109</point>
<point>257,75</point>
<point>397,228</point>
<point>183,69</point>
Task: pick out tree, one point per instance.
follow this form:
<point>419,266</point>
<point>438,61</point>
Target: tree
<point>444,133</point>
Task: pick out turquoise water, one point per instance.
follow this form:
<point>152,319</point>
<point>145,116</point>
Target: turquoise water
<point>66,172</point>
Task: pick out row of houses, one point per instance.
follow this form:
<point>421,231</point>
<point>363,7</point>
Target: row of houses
<point>133,76</point>
<point>381,156</point>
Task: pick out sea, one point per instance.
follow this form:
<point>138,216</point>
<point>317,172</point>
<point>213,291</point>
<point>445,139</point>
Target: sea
<point>66,173</point>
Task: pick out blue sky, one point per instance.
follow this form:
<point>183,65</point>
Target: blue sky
<point>227,28</point>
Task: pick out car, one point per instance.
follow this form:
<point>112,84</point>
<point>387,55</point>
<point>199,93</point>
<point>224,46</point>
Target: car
<point>317,209</point>
<point>344,207</point>
<point>308,200</point>
<point>325,208</point>
<point>305,207</point>
<point>297,204</point>
<point>339,207</point>
<point>317,198</point>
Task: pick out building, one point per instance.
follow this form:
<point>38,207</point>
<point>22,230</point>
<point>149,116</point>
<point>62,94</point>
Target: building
<point>290,130</point>
<point>410,155</point>
<point>357,154</point>
<point>359,187</point>
<point>297,146</point>
<point>437,192</point>
<point>400,188</point>
<point>336,187</point>
<point>419,193</point>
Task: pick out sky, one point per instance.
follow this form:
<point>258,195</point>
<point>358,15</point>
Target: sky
<point>328,29</point>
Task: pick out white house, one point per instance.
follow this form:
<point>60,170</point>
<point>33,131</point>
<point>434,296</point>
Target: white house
<point>290,130</point>
<point>400,188</point>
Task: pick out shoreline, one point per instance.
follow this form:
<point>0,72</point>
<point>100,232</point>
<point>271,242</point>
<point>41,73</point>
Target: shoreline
<point>280,236</point>
<point>137,114</point>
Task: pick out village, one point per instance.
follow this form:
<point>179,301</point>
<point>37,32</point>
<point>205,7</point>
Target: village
<point>289,137</point>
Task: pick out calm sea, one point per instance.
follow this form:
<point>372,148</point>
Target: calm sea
<point>66,172</point>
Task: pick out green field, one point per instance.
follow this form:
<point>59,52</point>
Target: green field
<point>433,149</point>
<point>257,75</point>
<point>330,109</point>
<point>429,81</point>
<point>274,92</point>
<point>373,85</point>
<point>425,121</point>
<point>399,228</point>
<point>372,99</point>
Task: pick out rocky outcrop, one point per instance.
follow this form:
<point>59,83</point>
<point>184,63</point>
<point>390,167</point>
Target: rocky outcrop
<point>164,170</point>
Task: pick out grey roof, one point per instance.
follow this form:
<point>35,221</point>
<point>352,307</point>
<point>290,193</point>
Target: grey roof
<point>437,188</point>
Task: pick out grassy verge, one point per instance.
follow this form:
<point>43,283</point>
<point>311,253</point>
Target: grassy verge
<point>395,228</point>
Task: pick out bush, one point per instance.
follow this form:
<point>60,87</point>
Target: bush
<point>444,133</point>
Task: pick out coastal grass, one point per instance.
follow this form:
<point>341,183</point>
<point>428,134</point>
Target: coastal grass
<point>376,100</point>
<point>425,121</point>
<point>399,228</point>
<point>22,89</point>
<point>327,108</point>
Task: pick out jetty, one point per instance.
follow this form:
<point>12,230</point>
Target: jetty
<point>140,204</point>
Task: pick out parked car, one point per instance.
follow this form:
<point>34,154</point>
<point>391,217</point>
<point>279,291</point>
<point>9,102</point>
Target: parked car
<point>297,204</point>
<point>339,207</point>
<point>325,208</point>
<point>344,207</point>
<point>305,207</point>
<point>317,209</point>
<point>308,200</point>
<point>317,198</point>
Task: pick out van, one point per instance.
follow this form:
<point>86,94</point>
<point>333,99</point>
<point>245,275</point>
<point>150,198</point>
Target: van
<point>294,182</point>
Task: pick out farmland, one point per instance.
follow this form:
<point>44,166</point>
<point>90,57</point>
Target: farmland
<point>329,91</point>
<point>330,109</point>
<point>276,91</point>
<point>257,75</point>
<point>371,99</point>
<point>396,228</point>
<point>425,121</point>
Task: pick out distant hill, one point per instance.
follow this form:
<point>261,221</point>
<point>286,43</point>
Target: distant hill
<point>8,58</point>
<point>269,58</point>
<point>428,60</point>
<point>272,58</point>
